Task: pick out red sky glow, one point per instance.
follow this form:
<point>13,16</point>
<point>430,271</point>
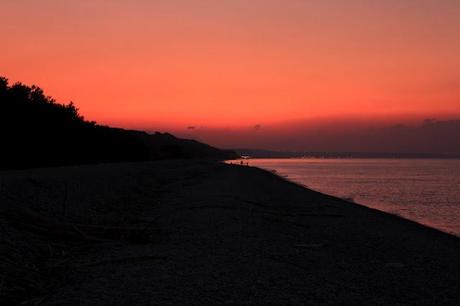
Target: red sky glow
<point>227,64</point>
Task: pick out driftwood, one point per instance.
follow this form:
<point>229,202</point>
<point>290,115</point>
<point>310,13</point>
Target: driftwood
<point>122,260</point>
<point>74,232</point>
<point>310,245</point>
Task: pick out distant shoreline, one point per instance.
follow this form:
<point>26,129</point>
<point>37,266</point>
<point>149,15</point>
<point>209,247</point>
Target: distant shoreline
<point>350,157</point>
<point>255,153</point>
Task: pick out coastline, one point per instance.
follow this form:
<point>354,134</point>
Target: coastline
<point>214,233</point>
<point>351,201</point>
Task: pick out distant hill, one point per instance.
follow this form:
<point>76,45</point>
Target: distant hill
<point>258,153</point>
<point>36,131</point>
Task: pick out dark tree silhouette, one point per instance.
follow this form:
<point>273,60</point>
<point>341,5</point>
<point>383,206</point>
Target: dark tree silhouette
<point>35,130</point>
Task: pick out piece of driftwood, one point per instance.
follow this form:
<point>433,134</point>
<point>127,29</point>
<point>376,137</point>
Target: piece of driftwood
<point>66,231</point>
<point>124,260</point>
<point>309,245</point>
<point>63,265</point>
<point>321,215</point>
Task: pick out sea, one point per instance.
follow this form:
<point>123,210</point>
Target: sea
<point>423,190</point>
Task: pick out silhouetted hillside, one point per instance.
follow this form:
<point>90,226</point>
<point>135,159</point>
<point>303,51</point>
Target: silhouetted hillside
<point>37,131</point>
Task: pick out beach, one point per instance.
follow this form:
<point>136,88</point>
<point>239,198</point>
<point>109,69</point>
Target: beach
<point>203,232</point>
<point>422,190</point>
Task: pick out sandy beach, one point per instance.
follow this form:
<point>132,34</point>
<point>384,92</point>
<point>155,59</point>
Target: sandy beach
<point>202,232</point>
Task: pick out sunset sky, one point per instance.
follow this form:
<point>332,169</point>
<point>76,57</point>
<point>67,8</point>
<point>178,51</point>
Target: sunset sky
<point>232,63</point>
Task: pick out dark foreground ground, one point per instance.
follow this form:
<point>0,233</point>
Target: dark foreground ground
<point>195,233</point>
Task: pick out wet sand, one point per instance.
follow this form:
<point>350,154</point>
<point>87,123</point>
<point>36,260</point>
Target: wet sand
<point>189,232</point>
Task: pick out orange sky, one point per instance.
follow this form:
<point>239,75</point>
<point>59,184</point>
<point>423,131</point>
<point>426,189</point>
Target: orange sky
<point>171,64</point>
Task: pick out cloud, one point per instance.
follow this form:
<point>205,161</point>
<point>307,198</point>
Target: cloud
<point>435,136</point>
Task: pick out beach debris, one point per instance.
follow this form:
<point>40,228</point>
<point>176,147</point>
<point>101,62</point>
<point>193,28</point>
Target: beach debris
<point>348,199</point>
<point>395,265</point>
<point>309,245</point>
<point>323,215</point>
<point>73,232</point>
<point>27,273</point>
<point>122,260</point>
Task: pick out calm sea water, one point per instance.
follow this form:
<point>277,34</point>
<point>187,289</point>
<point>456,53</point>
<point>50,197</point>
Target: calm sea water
<point>423,190</point>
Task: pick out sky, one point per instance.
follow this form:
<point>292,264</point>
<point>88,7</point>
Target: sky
<point>180,65</point>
